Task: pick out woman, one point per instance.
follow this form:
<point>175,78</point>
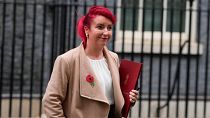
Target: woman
<point>85,80</point>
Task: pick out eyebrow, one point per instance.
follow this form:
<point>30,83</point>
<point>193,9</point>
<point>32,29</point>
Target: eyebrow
<point>103,24</point>
<point>100,24</point>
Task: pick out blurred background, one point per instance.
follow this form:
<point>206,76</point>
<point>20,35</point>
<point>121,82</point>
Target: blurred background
<point>170,37</point>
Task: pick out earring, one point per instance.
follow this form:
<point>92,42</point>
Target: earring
<point>87,35</point>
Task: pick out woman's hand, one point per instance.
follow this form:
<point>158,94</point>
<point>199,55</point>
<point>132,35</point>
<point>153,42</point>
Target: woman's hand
<point>133,94</point>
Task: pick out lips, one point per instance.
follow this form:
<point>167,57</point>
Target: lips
<point>105,38</point>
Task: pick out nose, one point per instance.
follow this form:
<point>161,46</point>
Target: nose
<point>106,31</point>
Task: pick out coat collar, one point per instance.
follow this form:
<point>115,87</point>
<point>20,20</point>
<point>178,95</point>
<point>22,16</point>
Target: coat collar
<point>88,90</point>
<point>95,92</point>
<point>113,67</point>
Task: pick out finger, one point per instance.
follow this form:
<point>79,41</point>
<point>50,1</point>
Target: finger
<point>133,98</point>
<point>132,101</point>
<point>135,91</point>
<point>134,95</point>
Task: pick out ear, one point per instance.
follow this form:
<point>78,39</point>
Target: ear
<point>86,29</point>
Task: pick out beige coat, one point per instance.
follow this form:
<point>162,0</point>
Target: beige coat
<point>69,94</point>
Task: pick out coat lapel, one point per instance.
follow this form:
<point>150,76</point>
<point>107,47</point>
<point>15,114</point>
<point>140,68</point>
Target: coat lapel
<point>89,84</point>
<point>95,92</point>
<point>118,97</point>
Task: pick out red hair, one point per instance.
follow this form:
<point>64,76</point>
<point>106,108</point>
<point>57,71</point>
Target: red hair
<point>87,19</point>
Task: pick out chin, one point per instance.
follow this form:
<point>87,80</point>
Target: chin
<point>104,44</point>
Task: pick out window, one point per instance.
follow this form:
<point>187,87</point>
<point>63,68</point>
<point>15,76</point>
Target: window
<point>152,21</point>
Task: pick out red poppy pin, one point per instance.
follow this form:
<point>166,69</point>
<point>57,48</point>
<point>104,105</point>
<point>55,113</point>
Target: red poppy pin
<point>90,79</point>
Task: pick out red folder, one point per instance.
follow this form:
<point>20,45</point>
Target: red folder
<point>129,74</point>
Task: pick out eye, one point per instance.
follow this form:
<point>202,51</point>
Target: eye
<point>100,27</point>
<point>109,28</point>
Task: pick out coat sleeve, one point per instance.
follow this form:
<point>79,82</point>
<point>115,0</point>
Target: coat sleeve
<point>116,59</point>
<point>56,89</point>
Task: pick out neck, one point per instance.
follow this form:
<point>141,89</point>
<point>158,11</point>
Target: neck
<point>94,53</point>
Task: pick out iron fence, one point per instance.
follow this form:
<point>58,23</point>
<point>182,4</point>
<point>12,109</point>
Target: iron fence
<point>170,37</point>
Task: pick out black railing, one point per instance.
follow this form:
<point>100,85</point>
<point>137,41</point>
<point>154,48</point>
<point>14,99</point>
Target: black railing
<point>170,37</point>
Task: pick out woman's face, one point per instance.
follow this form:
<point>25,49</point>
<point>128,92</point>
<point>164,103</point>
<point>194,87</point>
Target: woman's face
<point>100,31</point>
